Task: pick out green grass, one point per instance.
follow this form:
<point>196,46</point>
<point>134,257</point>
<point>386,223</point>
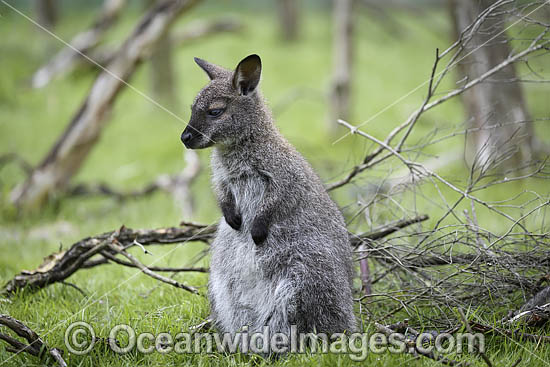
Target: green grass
<point>141,142</point>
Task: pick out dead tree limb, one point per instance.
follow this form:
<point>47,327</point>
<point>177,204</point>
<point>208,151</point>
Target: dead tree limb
<point>177,185</point>
<point>36,346</point>
<point>365,273</point>
<point>536,311</point>
<point>196,30</point>
<point>201,29</point>
<point>59,266</point>
<point>65,60</point>
<point>72,148</point>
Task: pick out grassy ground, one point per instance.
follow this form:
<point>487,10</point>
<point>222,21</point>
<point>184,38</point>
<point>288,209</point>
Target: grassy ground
<point>142,141</point>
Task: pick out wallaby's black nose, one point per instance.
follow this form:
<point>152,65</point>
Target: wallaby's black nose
<point>185,137</point>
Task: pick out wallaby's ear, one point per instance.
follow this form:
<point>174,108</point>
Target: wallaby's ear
<point>213,71</point>
<point>247,74</point>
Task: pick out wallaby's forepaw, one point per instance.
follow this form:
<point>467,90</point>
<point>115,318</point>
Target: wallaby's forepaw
<point>234,219</point>
<point>231,213</point>
<point>259,230</point>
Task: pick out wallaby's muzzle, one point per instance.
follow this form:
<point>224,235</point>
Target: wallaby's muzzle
<point>186,137</point>
<point>193,139</point>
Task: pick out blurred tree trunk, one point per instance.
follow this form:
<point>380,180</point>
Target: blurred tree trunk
<point>46,13</point>
<point>73,146</point>
<point>497,107</point>
<point>289,18</point>
<point>163,76</point>
<point>342,51</point>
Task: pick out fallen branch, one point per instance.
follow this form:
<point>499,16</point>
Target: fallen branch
<point>177,185</point>
<point>36,346</point>
<point>59,266</point>
<point>64,61</point>
<point>536,311</point>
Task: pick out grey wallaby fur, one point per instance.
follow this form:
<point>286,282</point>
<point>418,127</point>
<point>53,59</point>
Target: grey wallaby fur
<point>281,255</point>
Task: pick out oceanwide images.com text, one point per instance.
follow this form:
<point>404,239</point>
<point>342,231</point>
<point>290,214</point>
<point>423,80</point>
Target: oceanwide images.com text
<point>80,338</point>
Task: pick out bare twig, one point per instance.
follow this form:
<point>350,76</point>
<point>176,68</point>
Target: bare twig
<point>112,258</point>
<point>368,161</point>
<point>467,326</point>
<point>36,346</point>
<point>120,250</point>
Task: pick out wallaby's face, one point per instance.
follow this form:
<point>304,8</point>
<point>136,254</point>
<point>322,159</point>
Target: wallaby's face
<point>221,110</point>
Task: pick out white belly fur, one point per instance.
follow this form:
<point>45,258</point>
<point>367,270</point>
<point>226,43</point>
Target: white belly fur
<point>242,295</point>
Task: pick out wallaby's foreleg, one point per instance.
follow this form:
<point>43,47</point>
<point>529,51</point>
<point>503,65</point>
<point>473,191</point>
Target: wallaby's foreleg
<point>230,211</point>
<point>260,227</point>
<point>272,202</point>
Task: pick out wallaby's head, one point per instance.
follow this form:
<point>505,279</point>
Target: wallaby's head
<point>227,109</point>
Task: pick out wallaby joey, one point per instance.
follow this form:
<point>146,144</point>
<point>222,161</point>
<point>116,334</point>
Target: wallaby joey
<point>281,255</point>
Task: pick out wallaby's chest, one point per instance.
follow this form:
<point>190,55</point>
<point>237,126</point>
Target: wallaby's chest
<point>246,184</point>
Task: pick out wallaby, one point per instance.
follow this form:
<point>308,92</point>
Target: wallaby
<point>281,255</point>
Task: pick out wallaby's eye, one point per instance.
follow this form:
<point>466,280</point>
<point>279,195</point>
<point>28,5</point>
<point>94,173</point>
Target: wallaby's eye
<point>215,112</point>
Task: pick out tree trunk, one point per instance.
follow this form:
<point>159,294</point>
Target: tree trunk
<point>495,109</point>
<point>46,13</point>
<point>72,148</point>
<point>163,75</point>
<point>162,72</point>
<point>289,19</point>
<point>342,49</point>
